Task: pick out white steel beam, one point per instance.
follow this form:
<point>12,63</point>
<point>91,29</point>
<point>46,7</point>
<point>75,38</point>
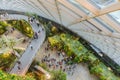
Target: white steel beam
<point>98,25</point>
<point>72,7</point>
<point>88,6</point>
<point>46,9</point>
<point>58,10</point>
<point>111,22</point>
<point>111,8</point>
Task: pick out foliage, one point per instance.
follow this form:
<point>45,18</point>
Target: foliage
<point>36,75</point>
<point>7,44</point>
<point>48,27</point>
<point>3,26</point>
<point>7,56</point>
<point>6,60</point>
<point>20,51</point>
<point>23,26</point>
<point>55,41</point>
<point>68,43</point>
<point>98,68</point>
<point>31,14</point>
<point>72,46</point>
<point>6,76</point>
<point>44,66</point>
<point>102,72</point>
<point>54,30</point>
<point>58,75</point>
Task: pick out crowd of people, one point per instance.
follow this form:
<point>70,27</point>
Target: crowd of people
<point>58,61</point>
<point>32,20</point>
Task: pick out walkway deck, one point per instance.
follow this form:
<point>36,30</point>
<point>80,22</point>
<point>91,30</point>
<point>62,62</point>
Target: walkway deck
<point>28,56</point>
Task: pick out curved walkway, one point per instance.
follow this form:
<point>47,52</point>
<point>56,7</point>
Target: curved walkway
<point>29,54</point>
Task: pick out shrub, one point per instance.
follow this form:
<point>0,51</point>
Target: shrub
<point>6,76</point>
<point>58,75</point>
<point>23,26</point>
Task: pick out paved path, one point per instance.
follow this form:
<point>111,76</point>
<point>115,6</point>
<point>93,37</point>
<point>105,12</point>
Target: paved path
<point>28,56</point>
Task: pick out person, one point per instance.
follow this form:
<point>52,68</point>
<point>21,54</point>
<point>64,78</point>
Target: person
<point>31,47</point>
<point>61,67</point>
<point>64,70</point>
<point>35,35</point>
<point>33,17</point>
<point>24,40</point>
<point>63,53</point>
<point>29,19</point>
<point>39,32</point>
<point>42,29</point>
<point>37,22</point>
<point>18,62</point>
<point>19,65</point>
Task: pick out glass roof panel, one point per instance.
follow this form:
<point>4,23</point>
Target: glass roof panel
<point>115,15</point>
<point>105,24</point>
<point>102,3</point>
<point>76,4</point>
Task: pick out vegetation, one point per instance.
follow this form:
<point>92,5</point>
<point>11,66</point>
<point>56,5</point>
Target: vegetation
<point>7,44</point>
<point>23,26</point>
<point>7,51</point>
<point>35,73</point>
<point>6,60</point>
<point>55,75</point>
<point>44,66</point>
<point>3,26</point>
<point>6,76</point>
<point>98,68</point>
<point>69,43</point>
<point>50,29</point>
<point>58,75</point>
<point>73,47</point>
<point>7,47</point>
<point>31,14</point>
